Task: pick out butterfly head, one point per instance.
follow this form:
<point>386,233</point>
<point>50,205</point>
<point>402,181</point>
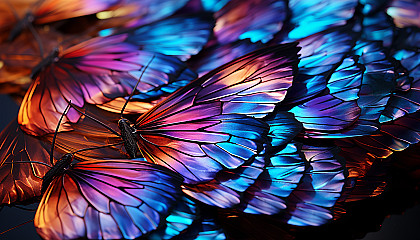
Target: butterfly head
<point>58,169</point>
<point>20,26</point>
<point>53,57</point>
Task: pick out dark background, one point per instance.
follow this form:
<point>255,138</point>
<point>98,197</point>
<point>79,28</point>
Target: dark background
<point>398,226</point>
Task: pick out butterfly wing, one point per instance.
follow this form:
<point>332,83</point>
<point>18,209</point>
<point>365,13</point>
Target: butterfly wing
<point>107,199</point>
<point>94,71</point>
<point>219,54</point>
<point>310,17</point>
<point>54,10</point>
<point>404,13</point>
<point>257,20</point>
<point>180,36</point>
<point>87,133</point>
<point>202,128</point>
<point>20,182</point>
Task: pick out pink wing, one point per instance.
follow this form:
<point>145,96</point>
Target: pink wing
<point>202,128</point>
<point>107,199</point>
<point>95,71</point>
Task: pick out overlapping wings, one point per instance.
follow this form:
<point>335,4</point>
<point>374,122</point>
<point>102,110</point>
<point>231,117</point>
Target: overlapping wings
<point>107,199</point>
<point>203,128</point>
<point>95,71</point>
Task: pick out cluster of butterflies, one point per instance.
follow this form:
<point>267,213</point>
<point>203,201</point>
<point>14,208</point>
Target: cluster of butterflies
<point>157,118</point>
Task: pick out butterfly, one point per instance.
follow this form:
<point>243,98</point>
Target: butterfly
<point>105,199</point>
<point>95,71</point>
<point>208,125</point>
<point>110,198</point>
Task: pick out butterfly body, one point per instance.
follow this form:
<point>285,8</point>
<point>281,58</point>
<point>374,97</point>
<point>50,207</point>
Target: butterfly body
<point>127,135</point>
<point>53,57</point>
<point>20,26</point>
<point>57,170</point>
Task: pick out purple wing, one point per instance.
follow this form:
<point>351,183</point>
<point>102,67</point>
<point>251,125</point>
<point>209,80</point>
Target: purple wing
<point>217,55</point>
<point>405,13</point>
<point>407,99</point>
<point>94,71</point>
<point>107,199</point>
<point>20,182</point>
<point>197,131</point>
<point>320,55</point>
<point>225,191</point>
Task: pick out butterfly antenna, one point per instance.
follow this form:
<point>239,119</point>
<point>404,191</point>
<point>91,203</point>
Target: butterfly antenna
<point>56,131</point>
<point>93,148</point>
<point>42,163</point>
<point>16,226</point>
<point>95,120</point>
<point>37,38</point>
<point>135,87</point>
<point>13,10</point>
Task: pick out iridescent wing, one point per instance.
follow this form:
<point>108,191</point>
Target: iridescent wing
<point>406,100</point>
<point>182,216</point>
<point>107,199</point>
<point>202,128</point>
<point>310,204</point>
<point>257,20</point>
<point>136,12</point>
<point>404,13</point>
<point>310,17</point>
<point>227,189</point>
<point>217,55</point>
<point>20,182</point>
<point>181,36</point>
<point>95,71</point>
<point>320,55</point>
<point>280,177</point>
<point>333,113</point>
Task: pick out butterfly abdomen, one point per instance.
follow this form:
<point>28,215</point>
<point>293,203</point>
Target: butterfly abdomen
<point>57,170</point>
<point>127,134</point>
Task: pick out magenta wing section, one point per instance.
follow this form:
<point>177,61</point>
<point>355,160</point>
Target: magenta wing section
<point>202,128</point>
<point>95,71</point>
<point>107,199</point>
